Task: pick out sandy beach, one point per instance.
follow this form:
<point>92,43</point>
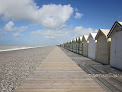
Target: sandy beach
<point>16,65</point>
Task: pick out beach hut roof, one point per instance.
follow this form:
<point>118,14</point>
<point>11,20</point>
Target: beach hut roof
<point>85,37</point>
<point>78,39</point>
<point>119,24</point>
<point>103,31</point>
<point>81,37</point>
<point>75,39</point>
<point>93,35</point>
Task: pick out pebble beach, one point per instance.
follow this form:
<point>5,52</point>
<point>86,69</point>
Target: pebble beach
<point>16,65</point>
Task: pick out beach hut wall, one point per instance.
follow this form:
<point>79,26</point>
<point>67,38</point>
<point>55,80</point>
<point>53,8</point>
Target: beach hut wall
<point>70,46</point>
<point>116,45</point>
<point>77,47</point>
<point>85,45</point>
<point>80,45</point>
<point>73,45</point>
<point>92,46</point>
<point>103,46</point>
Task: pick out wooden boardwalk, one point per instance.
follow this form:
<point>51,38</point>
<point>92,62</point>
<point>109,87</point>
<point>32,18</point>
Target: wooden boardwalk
<point>58,73</point>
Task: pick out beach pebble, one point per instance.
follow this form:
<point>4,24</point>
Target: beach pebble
<point>16,65</point>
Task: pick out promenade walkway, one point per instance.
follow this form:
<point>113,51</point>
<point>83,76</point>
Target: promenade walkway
<point>58,73</point>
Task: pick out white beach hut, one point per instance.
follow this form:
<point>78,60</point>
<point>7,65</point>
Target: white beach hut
<point>103,46</point>
<point>80,45</point>
<point>62,45</point>
<point>92,46</point>
<point>116,45</point>
<point>85,45</point>
<point>73,45</point>
<point>77,45</point>
<point>68,45</point>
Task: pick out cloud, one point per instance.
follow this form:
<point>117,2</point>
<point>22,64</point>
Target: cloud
<point>10,27</point>
<point>76,9</point>
<point>52,37</point>
<point>17,34</point>
<point>78,15</point>
<point>80,31</point>
<point>62,34</point>
<point>52,34</point>
<point>49,16</point>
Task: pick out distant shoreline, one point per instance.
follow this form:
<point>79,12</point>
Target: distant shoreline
<point>19,48</point>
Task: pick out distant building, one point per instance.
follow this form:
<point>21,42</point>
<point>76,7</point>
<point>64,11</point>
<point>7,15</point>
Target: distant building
<point>92,46</point>
<point>103,46</point>
<point>116,45</point>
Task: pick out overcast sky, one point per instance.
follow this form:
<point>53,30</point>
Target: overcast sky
<point>51,22</point>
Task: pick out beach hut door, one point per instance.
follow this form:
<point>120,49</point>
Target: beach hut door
<point>116,50</point>
<point>113,47</point>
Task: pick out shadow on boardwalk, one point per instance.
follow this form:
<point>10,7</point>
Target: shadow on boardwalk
<point>108,77</point>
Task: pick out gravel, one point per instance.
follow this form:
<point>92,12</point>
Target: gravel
<point>15,66</point>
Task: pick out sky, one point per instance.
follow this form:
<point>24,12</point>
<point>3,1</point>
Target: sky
<point>51,22</point>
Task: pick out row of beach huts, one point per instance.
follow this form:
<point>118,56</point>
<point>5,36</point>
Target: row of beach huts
<point>105,46</point>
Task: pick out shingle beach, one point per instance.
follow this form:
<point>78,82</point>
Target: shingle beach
<point>16,65</point>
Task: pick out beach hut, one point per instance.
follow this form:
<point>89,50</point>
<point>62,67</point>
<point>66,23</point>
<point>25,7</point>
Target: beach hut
<point>92,46</point>
<point>73,45</point>
<point>103,46</point>
<point>62,45</point>
<point>80,45</point>
<point>116,45</point>
<point>68,47</point>
<point>77,45</point>
<point>85,45</point>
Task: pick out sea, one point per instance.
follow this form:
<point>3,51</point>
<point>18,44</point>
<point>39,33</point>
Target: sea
<point>16,47</point>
